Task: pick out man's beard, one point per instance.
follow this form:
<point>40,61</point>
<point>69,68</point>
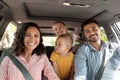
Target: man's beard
<point>93,38</point>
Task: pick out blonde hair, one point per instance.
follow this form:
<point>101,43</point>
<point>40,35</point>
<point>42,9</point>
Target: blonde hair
<point>68,39</point>
<point>57,22</point>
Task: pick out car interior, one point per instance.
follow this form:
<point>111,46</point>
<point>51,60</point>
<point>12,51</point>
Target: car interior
<point>72,12</point>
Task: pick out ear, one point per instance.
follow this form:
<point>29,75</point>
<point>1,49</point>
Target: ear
<point>68,47</point>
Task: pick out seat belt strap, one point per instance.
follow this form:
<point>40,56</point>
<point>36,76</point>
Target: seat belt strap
<point>105,58</point>
<point>101,69</point>
<point>20,66</point>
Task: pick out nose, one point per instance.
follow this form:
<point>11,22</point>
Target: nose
<point>91,32</point>
<point>31,37</point>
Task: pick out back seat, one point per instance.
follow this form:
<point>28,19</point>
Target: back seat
<point>49,50</point>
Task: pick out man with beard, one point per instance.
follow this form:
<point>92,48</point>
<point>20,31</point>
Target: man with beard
<point>92,56</point>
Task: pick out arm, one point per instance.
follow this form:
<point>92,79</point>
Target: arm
<point>3,69</point>
<point>49,71</point>
<point>55,66</point>
<point>115,59</point>
<point>72,73</point>
<point>80,66</point>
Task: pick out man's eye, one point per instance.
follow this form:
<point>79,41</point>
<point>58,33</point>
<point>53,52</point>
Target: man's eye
<point>94,29</point>
<point>87,31</point>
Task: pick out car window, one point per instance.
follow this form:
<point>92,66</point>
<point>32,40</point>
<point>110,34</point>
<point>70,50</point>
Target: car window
<point>8,36</point>
<point>103,35</point>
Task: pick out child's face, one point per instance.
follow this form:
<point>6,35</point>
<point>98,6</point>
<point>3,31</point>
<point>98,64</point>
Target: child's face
<point>59,29</point>
<point>61,47</point>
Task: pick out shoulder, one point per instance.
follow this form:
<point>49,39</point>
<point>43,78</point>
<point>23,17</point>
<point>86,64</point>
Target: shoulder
<point>5,60</point>
<point>83,49</point>
<point>40,57</point>
<point>53,56</point>
<point>73,35</point>
<point>71,55</point>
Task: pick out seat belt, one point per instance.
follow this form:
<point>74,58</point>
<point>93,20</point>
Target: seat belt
<point>9,52</point>
<point>20,66</point>
<point>105,59</point>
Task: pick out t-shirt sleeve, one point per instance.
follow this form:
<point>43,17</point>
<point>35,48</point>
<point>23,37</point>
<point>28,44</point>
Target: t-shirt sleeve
<point>53,56</point>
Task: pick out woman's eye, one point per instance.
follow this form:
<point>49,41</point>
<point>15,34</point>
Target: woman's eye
<point>36,35</point>
<point>27,35</point>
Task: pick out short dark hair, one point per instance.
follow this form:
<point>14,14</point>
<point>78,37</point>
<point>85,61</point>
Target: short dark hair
<point>88,21</point>
<point>18,44</point>
<point>59,21</point>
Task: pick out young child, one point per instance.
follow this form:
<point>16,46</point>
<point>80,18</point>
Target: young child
<point>62,57</point>
<point>59,27</point>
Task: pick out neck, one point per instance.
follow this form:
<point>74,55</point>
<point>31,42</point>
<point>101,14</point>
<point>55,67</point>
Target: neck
<point>27,55</point>
<point>97,45</point>
<point>65,54</point>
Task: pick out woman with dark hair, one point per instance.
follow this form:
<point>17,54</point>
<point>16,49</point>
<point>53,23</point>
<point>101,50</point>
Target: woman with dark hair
<point>29,50</point>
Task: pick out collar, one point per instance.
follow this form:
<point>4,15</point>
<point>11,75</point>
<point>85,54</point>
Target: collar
<point>104,45</point>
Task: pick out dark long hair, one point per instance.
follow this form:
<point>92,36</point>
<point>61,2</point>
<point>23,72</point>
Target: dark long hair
<point>18,44</point>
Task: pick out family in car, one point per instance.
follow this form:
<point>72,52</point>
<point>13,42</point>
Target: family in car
<point>93,60</point>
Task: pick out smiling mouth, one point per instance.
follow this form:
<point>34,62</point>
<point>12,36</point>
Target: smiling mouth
<point>94,35</point>
<point>31,44</point>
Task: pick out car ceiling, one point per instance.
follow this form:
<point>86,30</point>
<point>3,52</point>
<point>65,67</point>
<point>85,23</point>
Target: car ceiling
<point>40,10</point>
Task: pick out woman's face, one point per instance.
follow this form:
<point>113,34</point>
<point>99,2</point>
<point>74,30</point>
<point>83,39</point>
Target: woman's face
<point>32,38</point>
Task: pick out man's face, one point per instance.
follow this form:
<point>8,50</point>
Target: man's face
<point>92,32</point>
<point>59,29</point>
